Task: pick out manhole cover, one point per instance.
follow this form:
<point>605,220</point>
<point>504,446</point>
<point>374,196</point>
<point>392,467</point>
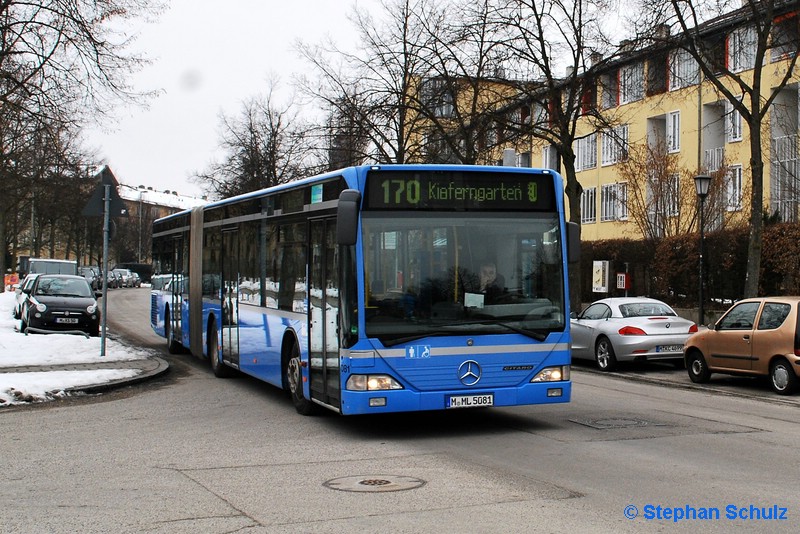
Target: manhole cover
<point>615,422</point>
<point>374,483</point>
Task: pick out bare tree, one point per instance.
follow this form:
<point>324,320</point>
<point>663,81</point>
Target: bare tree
<point>748,80</point>
<point>59,57</point>
<point>61,62</point>
<point>378,81</point>
<point>661,196</point>
<point>264,145</point>
<point>346,132</point>
<point>561,46</point>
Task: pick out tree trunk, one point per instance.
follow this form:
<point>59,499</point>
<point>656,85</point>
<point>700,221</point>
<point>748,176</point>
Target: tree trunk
<point>754,245</point>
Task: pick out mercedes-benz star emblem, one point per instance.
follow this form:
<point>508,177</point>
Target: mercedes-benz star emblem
<point>469,372</point>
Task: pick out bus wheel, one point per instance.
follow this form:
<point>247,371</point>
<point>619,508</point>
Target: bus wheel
<point>219,369</point>
<point>294,377</point>
<point>173,347</point>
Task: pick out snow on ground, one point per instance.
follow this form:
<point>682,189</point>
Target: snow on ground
<point>19,350</point>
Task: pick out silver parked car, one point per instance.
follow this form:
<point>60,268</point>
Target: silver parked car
<point>629,329</point>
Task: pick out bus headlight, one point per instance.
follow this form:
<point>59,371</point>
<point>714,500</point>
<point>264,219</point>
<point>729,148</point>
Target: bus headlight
<point>372,383</point>
<point>552,374</point>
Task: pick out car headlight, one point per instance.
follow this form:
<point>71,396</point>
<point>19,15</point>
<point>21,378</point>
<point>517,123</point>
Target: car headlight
<point>91,308</point>
<point>372,383</point>
<point>552,374</point>
<point>41,308</point>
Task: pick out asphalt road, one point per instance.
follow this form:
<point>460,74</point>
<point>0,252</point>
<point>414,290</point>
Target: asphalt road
<point>192,453</point>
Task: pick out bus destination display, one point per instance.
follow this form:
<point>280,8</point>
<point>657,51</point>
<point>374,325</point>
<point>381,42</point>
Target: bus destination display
<point>457,190</point>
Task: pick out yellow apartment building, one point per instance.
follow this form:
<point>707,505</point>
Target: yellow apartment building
<point>656,103</point>
<point>656,122</point>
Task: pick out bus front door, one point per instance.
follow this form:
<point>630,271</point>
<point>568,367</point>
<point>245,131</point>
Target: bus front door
<point>323,313</point>
<point>230,297</point>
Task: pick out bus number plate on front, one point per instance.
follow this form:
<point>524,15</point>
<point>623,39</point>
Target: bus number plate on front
<point>470,401</point>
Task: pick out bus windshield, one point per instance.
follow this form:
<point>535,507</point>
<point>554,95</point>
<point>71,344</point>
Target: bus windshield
<point>429,273</point>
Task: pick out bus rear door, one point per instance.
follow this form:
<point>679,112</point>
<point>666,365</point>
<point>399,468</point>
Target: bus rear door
<point>230,296</point>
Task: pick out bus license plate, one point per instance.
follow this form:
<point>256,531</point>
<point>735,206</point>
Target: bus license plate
<point>470,401</point>
<point>669,348</point>
<point>66,320</point>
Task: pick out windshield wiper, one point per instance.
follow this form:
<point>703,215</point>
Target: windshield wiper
<point>538,335</point>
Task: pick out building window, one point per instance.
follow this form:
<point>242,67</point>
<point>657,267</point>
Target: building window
<point>550,158</point>
<point>631,83</point>
<point>672,201</point>
<point>742,49</point>
<point>614,202</point>
<point>610,94</point>
<point>683,70</point>
<point>589,96</point>
<point>586,152</point>
<point>589,205</point>
<point>785,36</point>
<point>657,74</point>
<point>674,131</point>
<point>733,188</point>
<point>437,98</point>
<point>733,123</point>
<point>524,159</point>
<point>615,145</point>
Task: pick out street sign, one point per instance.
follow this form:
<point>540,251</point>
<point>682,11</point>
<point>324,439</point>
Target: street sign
<point>95,206</point>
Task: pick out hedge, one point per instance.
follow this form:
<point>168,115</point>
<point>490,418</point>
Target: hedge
<point>669,269</point>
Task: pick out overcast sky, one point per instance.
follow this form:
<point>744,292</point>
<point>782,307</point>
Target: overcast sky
<point>209,57</point>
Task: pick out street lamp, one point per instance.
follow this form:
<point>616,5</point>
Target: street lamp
<point>701,184</point>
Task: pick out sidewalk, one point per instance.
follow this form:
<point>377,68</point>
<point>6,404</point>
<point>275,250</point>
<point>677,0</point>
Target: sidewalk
<point>139,370</point>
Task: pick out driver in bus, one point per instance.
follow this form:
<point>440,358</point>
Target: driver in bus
<point>491,282</point>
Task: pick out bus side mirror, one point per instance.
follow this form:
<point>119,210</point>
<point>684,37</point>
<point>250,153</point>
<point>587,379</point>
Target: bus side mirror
<point>347,217</point>
<point>573,242</point>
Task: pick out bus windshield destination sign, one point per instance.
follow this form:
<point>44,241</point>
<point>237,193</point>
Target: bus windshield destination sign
<point>459,191</point>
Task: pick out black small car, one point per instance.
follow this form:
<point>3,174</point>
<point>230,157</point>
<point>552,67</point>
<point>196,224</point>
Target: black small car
<point>61,302</point>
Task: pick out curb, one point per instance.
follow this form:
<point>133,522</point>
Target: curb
<point>154,367</point>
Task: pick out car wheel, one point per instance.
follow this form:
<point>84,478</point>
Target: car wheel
<point>784,381</point>
<point>294,378</point>
<point>604,354</point>
<point>697,367</point>
<point>218,367</point>
<point>173,347</point>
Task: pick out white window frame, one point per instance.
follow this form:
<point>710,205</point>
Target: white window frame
<point>742,49</point>
<point>733,188</point>
<point>683,70</point>
<point>614,145</point>
<point>589,205</point>
<point>631,83</point>
<point>586,152</point>
<point>673,132</point>
<point>672,204</point>
<point>549,157</point>
<point>733,123</point>
<point>614,202</point>
<point>622,201</point>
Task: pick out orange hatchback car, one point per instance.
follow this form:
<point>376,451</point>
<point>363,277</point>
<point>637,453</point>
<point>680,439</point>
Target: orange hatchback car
<point>758,337</point>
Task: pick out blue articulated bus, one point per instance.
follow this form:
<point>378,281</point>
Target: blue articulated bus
<point>383,288</point>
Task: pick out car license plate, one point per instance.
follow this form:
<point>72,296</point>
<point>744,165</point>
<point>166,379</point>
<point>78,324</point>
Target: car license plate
<point>470,401</point>
<point>669,348</point>
<point>66,320</point>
